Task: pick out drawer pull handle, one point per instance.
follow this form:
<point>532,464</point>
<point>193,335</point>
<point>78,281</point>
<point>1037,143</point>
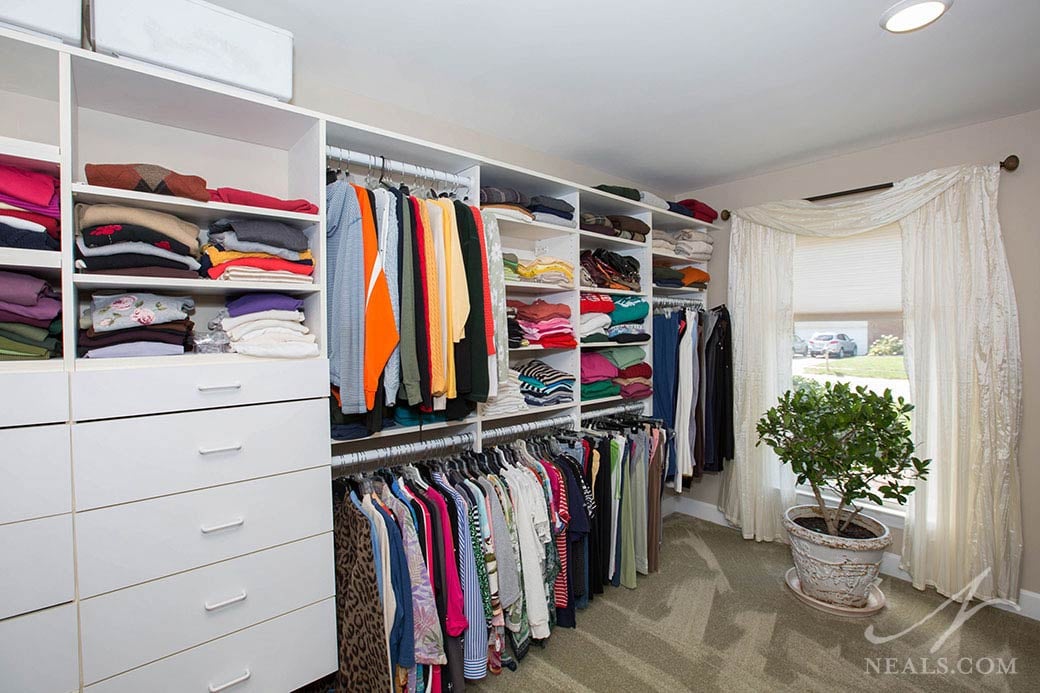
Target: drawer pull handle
<point>226,602</point>
<point>227,525</point>
<point>213,451</point>
<point>216,388</point>
<point>229,684</point>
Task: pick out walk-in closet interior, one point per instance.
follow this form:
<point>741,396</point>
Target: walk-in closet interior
<point>312,381</point>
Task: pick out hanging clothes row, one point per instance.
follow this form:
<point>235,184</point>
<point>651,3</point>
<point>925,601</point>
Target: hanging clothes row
<point>448,569</point>
<point>415,303</point>
<point>693,385</point>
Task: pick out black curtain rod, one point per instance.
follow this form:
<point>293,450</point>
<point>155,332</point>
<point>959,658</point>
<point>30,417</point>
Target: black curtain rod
<point>1008,164</point>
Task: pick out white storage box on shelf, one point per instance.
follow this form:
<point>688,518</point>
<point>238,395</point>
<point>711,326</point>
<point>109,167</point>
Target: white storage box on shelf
<point>57,18</point>
<point>198,38</point>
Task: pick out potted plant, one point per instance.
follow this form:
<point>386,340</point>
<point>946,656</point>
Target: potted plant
<point>850,445</point>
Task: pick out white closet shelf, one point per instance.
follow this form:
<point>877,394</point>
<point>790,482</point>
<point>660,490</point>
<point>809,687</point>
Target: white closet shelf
<point>193,286</point>
<point>610,345</point>
<point>201,213</point>
<point>19,258</point>
<point>396,431</point>
<point>530,411</point>
<point>55,365</point>
<point>535,287</point>
<point>591,239</point>
<point>601,400</point>
<point>35,156</point>
<point>612,292</point>
<point>532,230</point>
<point>677,290</point>
<point>663,256</point>
<point>188,359</point>
<point>537,347</point>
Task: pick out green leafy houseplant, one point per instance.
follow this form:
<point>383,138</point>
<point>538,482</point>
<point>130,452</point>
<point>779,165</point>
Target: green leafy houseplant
<point>854,443</point>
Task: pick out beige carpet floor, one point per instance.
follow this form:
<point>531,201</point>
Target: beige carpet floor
<point>719,617</point>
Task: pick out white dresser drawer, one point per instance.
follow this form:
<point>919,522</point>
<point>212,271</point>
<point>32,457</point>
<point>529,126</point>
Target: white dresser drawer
<point>37,564</point>
<point>35,474</point>
<point>276,656</point>
<point>34,397</point>
<point>126,544</point>
<point>125,629</point>
<point>103,393</point>
<point>38,652</point>
<point>130,459</point>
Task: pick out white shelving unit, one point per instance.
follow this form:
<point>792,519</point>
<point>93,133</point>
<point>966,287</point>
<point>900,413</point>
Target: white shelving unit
<point>65,107</point>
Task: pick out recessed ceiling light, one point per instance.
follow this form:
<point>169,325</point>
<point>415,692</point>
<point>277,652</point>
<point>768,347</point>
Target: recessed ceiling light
<point>911,15</point>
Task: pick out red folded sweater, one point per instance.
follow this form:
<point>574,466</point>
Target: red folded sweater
<point>639,370</point>
<point>700,210</point>
<point>266,263</point>
<point>52,225</point>
<point>31,186</point>
<point>235,196</point>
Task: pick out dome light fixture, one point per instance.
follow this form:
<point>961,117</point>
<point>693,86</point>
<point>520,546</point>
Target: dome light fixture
<point>911,15</point>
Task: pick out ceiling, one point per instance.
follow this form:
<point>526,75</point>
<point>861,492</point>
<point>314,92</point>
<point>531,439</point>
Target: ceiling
<point>679,94</point>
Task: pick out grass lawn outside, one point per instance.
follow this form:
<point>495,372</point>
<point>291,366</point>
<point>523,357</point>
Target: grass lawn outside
<point>889,367</point>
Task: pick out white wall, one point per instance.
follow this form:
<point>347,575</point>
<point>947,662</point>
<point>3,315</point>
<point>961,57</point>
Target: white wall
<point>1019,208</point>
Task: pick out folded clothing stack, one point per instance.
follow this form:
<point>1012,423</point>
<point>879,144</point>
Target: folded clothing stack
<point>509,399</point>
<point>694,208</point>
<point>547,270</point>
<point>678,277</point>
<point>516,333</point>
<point>543,323</point>
<point>597,377</point>
<point>511,264</point>
<point>113,239</point>
<point>30,318</point>
<point>269,325</point>
<point>620,191</point>
<point>542,385</point>
<point>648,198</point>
<point>116,325</point>
<point>552,210</point>
<point>634,375</point>
<point>257,250</point>
<point>605,269</point>
<point>29,209</point>
<point>626,320</point>
<point>616,225</point>
<point>158,180</point>
<point>512,204</point>
<point>692,244</point>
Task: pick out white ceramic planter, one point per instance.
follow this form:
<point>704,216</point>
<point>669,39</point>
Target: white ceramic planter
<point>836,570</point>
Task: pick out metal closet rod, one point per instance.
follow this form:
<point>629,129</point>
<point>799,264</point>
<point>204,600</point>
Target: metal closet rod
<point>351,460</point>
<point>528,427</point>
<point>1009,164</point>
<point>626,408</point>
<point>381,163</point>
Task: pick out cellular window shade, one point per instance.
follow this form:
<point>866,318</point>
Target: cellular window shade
<point>856,274</point>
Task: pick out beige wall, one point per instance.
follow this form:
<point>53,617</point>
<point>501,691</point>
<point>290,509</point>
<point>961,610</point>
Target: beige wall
<point>1019,207</point>
<point>317,96</point>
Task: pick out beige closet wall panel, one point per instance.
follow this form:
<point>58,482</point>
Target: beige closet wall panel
<point>1019,210</point>
<point>105,138</point>
<point>28,118</point>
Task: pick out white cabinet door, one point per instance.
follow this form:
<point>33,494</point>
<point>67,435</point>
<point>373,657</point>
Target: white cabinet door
<point>138,625</point>
<point>38,652</point>
<point>126,544</point>
<point>35,474</point>
<point>37,564</point>
<point>282,654</point>
<point>106,393</point>
<point>34,397</point>
<point>131,459</point>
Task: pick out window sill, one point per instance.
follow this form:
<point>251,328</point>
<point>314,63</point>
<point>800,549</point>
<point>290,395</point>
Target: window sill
<point>891,517</point>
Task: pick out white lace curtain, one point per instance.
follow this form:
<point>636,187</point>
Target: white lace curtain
<point>962,356</point>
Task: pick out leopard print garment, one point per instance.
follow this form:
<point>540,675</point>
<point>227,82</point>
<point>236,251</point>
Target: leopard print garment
<point>363,663</point>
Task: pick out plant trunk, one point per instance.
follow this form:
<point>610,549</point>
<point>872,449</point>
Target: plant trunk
<point>832,522</point>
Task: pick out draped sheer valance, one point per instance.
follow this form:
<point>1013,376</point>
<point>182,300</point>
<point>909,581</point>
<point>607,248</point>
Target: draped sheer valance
<point>962,356</point>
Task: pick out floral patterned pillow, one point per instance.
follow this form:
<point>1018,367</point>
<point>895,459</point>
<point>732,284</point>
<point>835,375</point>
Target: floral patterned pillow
<point>122,311</point>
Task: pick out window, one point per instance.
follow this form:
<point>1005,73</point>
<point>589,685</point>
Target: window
<point>848,312</point>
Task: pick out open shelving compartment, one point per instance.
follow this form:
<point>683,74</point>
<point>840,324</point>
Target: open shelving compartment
<point>137,114</point>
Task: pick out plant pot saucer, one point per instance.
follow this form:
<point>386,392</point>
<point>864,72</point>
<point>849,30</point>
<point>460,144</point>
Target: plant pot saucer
<point>875,599</point>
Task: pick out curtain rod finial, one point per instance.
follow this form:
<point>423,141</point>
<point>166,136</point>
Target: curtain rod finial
<point>1010,163</point>
<point>726,214</point>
